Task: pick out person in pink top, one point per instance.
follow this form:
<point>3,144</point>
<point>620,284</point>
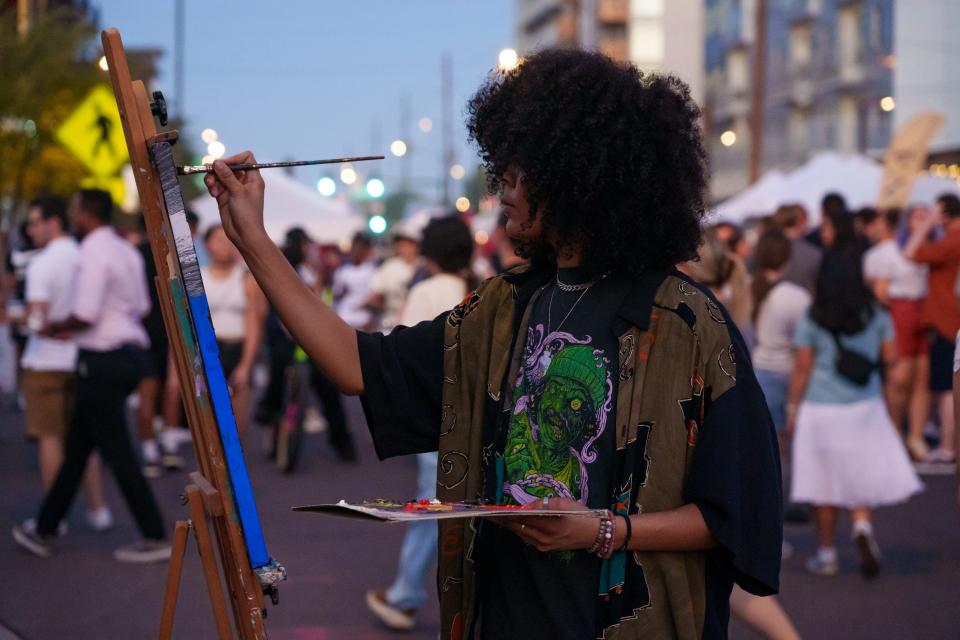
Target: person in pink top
<point>105,323</point>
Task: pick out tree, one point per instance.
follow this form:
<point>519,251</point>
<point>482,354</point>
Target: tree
<point>46,72</point>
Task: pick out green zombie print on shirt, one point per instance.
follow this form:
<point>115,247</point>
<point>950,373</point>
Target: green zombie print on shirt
<point>562,396</point>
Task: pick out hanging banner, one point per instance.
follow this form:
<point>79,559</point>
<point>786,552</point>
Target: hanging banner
<point>906,156</point>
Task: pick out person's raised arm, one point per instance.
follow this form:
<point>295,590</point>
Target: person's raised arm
<point>919,238</point>
<point>329,341</point>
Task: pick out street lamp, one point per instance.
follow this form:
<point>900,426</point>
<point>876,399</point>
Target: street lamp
<point>457,172</point>
<point>508,59</point>
<point>216,149</point>
<point>398,148</point>
<point>375,187</point>
<point>887,103</point>
<point>326,186</point>
<point>728,138</point>
<point>377,224</point>
<point>462,204</point>
<point>208,136</point>
<point>348,175</point>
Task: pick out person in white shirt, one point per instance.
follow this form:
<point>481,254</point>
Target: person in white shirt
<point>901,285</point>
<point>238,312</point>
<point>105,322</point>
<point>351,284</point>
<point>778,305</point>
<point>447,246</point>
<point>48,365</point>
<point>392,280</point>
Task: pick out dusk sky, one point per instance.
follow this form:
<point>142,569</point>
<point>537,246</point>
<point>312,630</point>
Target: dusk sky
<point>309,79</point>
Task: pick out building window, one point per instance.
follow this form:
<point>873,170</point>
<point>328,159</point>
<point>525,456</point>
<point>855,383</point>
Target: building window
<point>646,8</point>
<point>801,47</point>
<point>647,44</point>
<point>850,37</point>
<point>738,71</point>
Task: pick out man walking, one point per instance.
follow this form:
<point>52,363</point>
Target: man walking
<point>48,379</point>
<point>111,299</point>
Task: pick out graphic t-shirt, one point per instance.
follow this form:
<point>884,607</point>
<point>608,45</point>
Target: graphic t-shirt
<point>558,439</point>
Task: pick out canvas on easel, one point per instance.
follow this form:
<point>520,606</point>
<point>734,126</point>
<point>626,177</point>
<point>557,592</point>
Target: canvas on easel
<point>221,490</point>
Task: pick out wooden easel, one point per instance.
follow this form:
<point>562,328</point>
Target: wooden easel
<point>211,492</point>
<point>202,500</point>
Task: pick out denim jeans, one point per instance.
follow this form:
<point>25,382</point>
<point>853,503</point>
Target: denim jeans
<point>775,386</point>
<point>419,548</point>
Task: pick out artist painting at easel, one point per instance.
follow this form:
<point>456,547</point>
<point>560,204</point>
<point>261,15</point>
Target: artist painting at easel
<point>598,377</point>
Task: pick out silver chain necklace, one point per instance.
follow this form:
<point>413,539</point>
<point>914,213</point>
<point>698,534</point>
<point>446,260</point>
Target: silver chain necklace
<point>550,307</point>
<point>570,288</point>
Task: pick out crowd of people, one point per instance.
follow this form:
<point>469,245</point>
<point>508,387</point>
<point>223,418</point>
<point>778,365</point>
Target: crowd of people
<point>851,327</point>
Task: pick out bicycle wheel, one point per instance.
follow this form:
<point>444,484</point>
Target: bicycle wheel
<point>290,428</point>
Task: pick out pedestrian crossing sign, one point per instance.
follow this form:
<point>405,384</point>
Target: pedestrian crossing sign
<point>94,133</point>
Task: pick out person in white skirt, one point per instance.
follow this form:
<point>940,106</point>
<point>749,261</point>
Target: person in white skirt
<point>847,453</point>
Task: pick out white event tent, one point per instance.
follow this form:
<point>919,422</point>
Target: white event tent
<point>290,203</point>
<point>855,177</point>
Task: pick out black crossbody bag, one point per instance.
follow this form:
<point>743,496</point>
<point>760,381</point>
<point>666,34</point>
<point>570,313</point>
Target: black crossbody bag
<point>852,365</point>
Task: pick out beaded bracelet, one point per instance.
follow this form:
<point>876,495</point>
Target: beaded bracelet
<point>599,539</point>
<point>606,549</point>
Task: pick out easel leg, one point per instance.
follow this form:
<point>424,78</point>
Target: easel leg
<point>173,579</point>
<point>205,545</point>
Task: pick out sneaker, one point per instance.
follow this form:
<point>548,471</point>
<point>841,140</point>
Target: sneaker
<point>30,524</point>
<point>942,455</point>
<point>40,546</point>
<point>173,437</point>
<point>821,567</point>
<point>869,553</point>
<point>170,440</point>
<point>143,551</point>
<point>391,616</point>
<point>152,467</point>
<point>100,520</point>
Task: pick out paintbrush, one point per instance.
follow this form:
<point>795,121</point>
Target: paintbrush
<point>208,168</point>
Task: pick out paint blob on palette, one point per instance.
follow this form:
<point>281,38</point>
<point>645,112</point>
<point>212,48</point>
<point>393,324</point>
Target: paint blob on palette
<point>413,510</point>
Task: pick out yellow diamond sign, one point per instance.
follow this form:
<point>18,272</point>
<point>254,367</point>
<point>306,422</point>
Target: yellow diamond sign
<point>94,133</point>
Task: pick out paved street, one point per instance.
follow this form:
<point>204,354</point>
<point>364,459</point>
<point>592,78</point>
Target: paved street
<point>84,593</point>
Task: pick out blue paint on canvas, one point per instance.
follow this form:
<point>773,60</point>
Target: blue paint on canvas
<point>229,436</point>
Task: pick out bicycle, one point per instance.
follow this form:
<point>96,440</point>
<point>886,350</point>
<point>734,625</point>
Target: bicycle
<point>289,429</point>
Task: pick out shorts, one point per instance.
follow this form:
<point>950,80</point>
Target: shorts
<point>941,363</point>
<point>157,357</point>
<point>911,334</point>
<point>231,352</point>
<point>49,397</point>
<point>775,386</point>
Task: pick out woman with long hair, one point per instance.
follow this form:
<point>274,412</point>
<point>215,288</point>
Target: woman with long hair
<point>238,310</point>
<point>778,306</point>
<point>846,451</point>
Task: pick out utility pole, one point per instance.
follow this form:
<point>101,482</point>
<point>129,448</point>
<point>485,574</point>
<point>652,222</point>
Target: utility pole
<point>587,24</point>
<point>758,85</point>
<point>405,136</point>
<point>179,25</point>
<point>446,89</point>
